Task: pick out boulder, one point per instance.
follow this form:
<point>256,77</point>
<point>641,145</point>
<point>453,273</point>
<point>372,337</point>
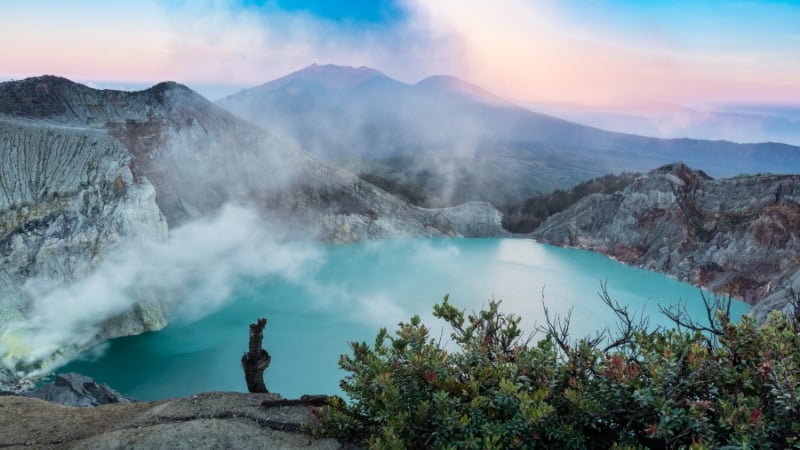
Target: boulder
<point>73,389</point>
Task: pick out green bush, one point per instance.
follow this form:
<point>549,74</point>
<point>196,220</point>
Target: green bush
<point>719,385</point>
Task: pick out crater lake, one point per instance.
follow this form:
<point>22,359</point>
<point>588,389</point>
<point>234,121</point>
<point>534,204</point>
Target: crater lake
<point>353,290</point>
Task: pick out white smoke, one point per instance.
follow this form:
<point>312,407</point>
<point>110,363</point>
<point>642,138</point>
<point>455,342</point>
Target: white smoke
<point>195,273</point>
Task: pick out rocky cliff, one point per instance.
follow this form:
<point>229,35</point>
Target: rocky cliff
<point>67,198</point>
<point>738,236</point>
<point>84,171</point>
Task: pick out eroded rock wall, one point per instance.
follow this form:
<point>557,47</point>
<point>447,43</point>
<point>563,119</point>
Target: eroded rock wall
<point>738,236</point>
<point>67,198</point>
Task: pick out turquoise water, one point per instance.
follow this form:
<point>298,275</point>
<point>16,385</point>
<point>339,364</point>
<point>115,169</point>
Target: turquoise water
<point>353,290</point>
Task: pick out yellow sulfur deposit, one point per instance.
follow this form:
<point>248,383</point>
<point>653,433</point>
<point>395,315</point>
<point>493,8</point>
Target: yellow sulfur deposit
<point>13,346</point>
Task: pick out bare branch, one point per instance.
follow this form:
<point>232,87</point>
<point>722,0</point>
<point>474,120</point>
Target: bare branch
<point>557,327</point>
<point>627,324</point>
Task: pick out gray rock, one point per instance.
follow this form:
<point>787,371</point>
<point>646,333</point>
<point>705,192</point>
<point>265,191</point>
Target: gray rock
<point>74,389</point>
<point>204,421</point>
<point>737,236</point>
<point>67,199</point>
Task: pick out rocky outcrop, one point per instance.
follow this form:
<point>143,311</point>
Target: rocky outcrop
<point>67,198</point>
<point>737,236</point>
<point>73,389</point>
<point>84,171</point>
<point>205,421</point>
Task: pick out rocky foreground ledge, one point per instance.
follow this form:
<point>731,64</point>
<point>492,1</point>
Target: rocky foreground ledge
<point>208,420</point>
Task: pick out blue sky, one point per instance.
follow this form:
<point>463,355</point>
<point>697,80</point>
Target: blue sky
<point>369,11</point>
<point>589,52</point>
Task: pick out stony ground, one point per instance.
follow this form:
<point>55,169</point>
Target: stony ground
<point>205,421</point>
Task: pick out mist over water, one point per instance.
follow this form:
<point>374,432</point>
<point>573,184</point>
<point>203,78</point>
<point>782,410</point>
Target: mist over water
<point>355,289</point>
<point>192,274</point>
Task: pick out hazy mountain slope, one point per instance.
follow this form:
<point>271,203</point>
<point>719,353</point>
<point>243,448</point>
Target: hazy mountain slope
<point>199,156</point>
<point>85,173</point>
<point>463,143</point>
<point>739,123</point>
<point>738,236</point>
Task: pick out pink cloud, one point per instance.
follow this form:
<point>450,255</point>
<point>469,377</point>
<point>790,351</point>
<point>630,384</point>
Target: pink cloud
<point>528,52</point>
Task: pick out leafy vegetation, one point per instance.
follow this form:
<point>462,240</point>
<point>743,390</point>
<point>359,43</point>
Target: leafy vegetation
<point>528,216</point>
<point>712,385</point>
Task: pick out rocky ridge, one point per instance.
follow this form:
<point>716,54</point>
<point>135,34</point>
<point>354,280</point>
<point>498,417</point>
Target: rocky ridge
<point>209,420</point>
<point>738,236</point>
<point>84,171</point>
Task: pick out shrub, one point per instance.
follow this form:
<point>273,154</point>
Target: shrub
<point>719,385</point>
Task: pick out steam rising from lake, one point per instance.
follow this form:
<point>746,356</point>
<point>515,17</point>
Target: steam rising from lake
<point>347,292</point>
<point>220,274</point>
<point>193,274</point>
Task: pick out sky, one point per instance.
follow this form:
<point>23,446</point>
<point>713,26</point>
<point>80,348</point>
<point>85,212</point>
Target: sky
<point>597,53</point>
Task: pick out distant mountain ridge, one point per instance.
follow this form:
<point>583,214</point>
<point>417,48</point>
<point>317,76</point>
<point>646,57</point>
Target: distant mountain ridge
<point>743,123</point>
<point>461,143</point>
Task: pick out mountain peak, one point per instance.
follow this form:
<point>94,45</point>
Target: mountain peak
<point>175,90</point>
<point>168,86</point>
<point>37,96</point>
<point>335,69</point>
<point>330,76</point>
<point>52,80</point>
<point>59,99</point>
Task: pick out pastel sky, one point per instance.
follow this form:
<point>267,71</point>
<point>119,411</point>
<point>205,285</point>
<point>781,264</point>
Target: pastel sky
<point>582,52</point>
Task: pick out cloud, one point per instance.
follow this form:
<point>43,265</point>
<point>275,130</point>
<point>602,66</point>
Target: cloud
<point>548,52</point>
<point>255,44</point>
<point>542,51</point>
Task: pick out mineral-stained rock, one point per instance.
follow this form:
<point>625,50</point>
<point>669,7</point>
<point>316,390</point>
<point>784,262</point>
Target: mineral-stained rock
<point>67,198</point>
<point>737,236</point>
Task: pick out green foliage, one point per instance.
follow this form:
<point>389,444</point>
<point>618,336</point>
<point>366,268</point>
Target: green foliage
<point>720,385</point>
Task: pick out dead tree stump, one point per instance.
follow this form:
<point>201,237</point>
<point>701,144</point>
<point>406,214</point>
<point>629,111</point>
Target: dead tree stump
<point>255,361</point>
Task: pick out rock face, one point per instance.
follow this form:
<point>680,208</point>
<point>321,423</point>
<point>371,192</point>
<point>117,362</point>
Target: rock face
<point>738,236</point>
<point>84,171</point>
<point>67,197</point>
<point>205,421</point>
